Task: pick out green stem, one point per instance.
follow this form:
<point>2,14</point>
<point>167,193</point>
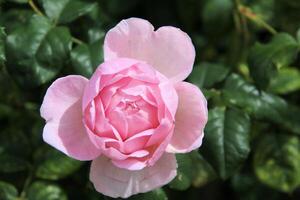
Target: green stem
<point>77,41</point>
<point>267,26</point>
<point>249,14</point>
<point>35,8</point>
<point>241,20</point>
<point>26,185</point>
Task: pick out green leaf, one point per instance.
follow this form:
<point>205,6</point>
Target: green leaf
<point>185,172</point>
<point>8,191</point>
<point>291,123</point>
<point>205,75</point>
<point>54,165</point>
<point>204,173</point>
<point>10,137</point>
<point>277,162</point>
<point>10,163</point>
<point>2,36</point>
<point>287,80</point>
<point>226,143</point>
<point>95,34</point>
<point>157,194</point>
<point>192,169</point>
<point>8,92</point>
<point>265,59</point>
<point>37,52</point>
<point>241,93</point>
<point>260,104</point>
<point>85,58</point>
<point>14,18</point>
<point>65,11</point>
<point>45,191</point>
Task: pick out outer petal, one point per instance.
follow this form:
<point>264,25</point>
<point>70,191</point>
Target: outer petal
<point>190,119</point>
<point>116,182</point>
<point>61,109</point>
<point>168,49</point>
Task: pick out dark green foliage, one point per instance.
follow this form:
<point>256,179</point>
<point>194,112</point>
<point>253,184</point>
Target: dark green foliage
<point>205,75</point>
<point>2,52</point>
<point>8,191</point>
<point>65,11</point>
<point>276,162</point>
<point>227,143</point>
<point>42,190</point>
<point>247,65</point>
<point>47,48</point>
<point>86,58</point>
<point>264,60</point>
<point>53,165</point>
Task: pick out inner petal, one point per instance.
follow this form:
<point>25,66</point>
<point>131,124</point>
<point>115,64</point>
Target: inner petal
<point>103,128</point>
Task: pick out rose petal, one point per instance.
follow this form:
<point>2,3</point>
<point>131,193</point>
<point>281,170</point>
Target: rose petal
<point>116,182</point>
<point>168,49</point>
<point>61,109</point>
<point>190,119</point>
<point>160,138</point>
<point>130,164</point>
<point>170,97</point>
<point>93,87</point>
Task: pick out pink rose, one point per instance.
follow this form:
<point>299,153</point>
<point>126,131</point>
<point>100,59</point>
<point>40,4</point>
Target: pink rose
<point>134,113</point>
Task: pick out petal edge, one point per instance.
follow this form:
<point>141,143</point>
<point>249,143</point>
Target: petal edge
<point>116,182</point>
<point>168,49</point>
<point>61,108</point>
<point>190,119</point>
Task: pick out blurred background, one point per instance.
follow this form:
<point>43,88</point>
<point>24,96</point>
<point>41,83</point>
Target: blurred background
<point>247,65</point>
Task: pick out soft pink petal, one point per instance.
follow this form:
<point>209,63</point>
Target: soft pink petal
<point>95,84</point>
<point>170,97</point>
<point>169,50</point>
<point>133,144</point>
<point>159,151</point>
<point>160,132</point>
<point>114,66</point>
<point>116,182</point>
<point>160,138</point>
<point>61,109</point>
<point>130,164</point>
<point>118,120</point>
<point>190,119</point>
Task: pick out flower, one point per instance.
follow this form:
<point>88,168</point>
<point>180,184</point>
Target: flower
<point>134,113</point>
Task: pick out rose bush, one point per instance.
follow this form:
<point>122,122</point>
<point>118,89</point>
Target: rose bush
<point>134,113</point>
<point>247,65</point>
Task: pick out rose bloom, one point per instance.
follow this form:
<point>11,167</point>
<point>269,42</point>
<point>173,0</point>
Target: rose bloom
<point>134,113</point>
